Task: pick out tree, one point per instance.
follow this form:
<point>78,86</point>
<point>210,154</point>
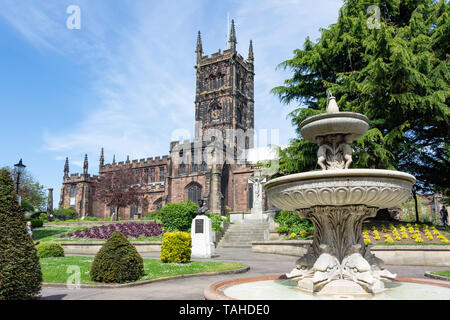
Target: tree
<point>20,276</point>
<point>117,188</point>
<point>32,192</point>
<point>395,71</point>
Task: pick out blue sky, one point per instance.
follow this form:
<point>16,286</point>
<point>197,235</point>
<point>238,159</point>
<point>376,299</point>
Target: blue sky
<point>125,80</point>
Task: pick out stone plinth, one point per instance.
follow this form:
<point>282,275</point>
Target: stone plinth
<point>202,238</point>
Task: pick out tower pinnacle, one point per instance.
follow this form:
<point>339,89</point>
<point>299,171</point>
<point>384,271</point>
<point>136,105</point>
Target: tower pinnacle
<point>250,53</point>
<point>232,40</point>
<point>85,164</point>
<point>66,168</point>
<point>199,49</point>
<point>102,160</point>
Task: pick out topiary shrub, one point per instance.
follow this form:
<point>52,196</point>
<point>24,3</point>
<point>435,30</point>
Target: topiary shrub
<point>117,261</point>
<point>178,216</point>
<point>49,249</point>
<point>176,247</point>
<point>20,271</point>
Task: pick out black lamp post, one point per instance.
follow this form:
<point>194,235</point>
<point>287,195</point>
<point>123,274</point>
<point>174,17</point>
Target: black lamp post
<point>20,167</point>
<point>414,193</point>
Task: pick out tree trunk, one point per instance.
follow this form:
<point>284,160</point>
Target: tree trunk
<point>117,213</point>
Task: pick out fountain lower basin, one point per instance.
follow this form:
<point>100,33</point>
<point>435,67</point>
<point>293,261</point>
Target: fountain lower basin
<point>370,187</point>
<point>276,288</point>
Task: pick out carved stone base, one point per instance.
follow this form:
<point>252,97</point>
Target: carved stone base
<point>338,253</point>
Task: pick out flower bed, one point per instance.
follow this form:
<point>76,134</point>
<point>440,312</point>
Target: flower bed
<point>400,233</point>
<point>129,229</point>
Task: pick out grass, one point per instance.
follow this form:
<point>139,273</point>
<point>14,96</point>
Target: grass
<point>55,269</point>
<point>443,273</point>
<point>52,234</point>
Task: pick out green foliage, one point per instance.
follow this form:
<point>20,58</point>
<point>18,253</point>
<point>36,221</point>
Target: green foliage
<point>396,74</point>
<point>290,222</point>
<point>216,221</point>
<point>178,216</point>
<point>37,222</point>
<point>20,276</point>
<point>154,215</point>
<point>117,261</point>
<point>26,206</point>
<point>31,191</point>
<point>49,249</point>
<point>65,214</point>
<point>176,247</point>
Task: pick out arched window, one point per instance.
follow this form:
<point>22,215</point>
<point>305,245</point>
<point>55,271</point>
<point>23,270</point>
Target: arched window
<point>194,192</point>
<point>133,210</point>
<point>250,196</point>
<point>239,115</point>
<point>158,204</point>
<point>73,191</point>
<point>182,168</point>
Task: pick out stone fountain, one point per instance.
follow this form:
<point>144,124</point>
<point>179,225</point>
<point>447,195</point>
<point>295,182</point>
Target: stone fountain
<point>337,200</point>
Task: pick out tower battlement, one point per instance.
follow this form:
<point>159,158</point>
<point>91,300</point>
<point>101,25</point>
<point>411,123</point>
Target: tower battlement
<point>141,163</point>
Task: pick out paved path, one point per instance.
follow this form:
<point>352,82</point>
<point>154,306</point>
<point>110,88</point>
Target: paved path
<point>192,288</point>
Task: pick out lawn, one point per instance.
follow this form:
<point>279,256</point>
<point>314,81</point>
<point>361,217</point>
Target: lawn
<point>443,273</point>
<point>55,269</point>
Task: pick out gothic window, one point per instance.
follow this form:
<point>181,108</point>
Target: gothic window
<point>133,210</point>
<point>73,194</point>
<point>73,191</point>
<point>239,115</point>
<point>247,142</point>
<point>203,165</point>
<point>152,175</point>
<point>182,169</point>
<point>161,174</point>
<point>146,175</point>
<point>158,204</point>
<point>194,193</point>
<point>250,196</point>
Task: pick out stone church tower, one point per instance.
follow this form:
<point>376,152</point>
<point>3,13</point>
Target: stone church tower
<point>224,96</point>
<point>213,167</point>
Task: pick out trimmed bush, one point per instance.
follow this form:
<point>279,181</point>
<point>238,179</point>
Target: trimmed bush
<point>178,216</point>
<point>176,247</point>
<point>20,271</point>
<point>65,214</point>
<point>50,249</point>
<point>36,222</point>
<point>117,261</point>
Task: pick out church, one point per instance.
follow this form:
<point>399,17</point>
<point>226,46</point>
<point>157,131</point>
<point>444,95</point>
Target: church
<point>213,167</point>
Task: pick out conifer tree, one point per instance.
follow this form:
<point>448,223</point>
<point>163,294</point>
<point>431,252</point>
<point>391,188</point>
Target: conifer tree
<point>20,271</point>
<point>390,61</point>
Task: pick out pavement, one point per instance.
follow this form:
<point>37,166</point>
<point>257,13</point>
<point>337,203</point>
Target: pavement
<point>192,288</point>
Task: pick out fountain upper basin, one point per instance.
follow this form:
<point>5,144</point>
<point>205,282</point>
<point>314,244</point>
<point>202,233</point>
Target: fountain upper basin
<point>371,187</point>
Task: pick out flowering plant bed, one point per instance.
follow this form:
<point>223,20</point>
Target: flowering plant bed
<point>128,229</point>
<point>400,233</point>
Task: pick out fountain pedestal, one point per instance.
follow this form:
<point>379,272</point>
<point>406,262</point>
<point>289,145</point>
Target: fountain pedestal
<point>338,261</point>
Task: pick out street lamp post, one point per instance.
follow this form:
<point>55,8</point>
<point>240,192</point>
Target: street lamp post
<point>20,167</point>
